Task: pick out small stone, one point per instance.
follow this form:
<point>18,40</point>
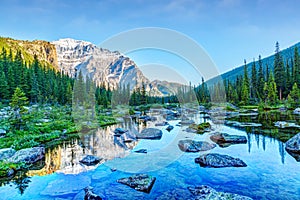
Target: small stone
<point>90,160</point>
<point>169,128</point>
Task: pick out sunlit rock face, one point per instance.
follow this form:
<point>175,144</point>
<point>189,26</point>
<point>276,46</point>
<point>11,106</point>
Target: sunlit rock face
<point>102,65</point>
<point>101,143</point>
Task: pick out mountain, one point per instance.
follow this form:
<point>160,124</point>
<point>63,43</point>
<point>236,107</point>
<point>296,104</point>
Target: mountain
<point>45,51</point>
<point>105,66</point>
<point>100,64</point>
<point>165,87</point>
<point>287,54</point>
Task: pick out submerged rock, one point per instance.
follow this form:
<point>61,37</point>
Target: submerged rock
<point>140,182</point>
<point>162,124</point>
<point>169,128</point>
<point>150,133</point>
<point>218,160</point>
<point>6,153</point>
<point>190,130</point>
<point>194,146</point>
<point>66,185</point>
<point>29,155</point>
<point>147,118</point>
<point>206,192</point>
<point>283,124</point>
<point>242,124</point>
<point>187,122</point>
<point>128,136</point>
<point>224,139</point>
<point>292,146</point>
<point>119,131</point>
<point>90,160</point>
<point>89,194</point>
<point>141,151</point>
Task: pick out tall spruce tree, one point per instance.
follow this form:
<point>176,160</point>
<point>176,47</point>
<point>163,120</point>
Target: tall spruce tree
<point>4,89</point>
<point>260,77</point>
<point>279,72</point>
<point>245,86</point>
<point>296,67</point>
<point>254,83</point>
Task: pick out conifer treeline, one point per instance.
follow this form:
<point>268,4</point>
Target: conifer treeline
<point>266,85</point>
<point>39,83</point>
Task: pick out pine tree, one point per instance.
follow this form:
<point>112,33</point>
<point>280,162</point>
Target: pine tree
<point>271,90</point>
<point>294,96</point>
<point>254,83</point>
<point>279,72</point>
<point>143,94</point>
<point>288,76</point>
<point>267,73</point>
<point>245,86</point>
<point>18,101</point>
<point>296,68</point>
<point>4,89</point>
<point>260,78</point>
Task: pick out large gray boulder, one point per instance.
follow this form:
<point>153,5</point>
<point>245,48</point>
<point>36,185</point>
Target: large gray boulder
<point>140,182</point>
<point>29,155</point>
<point>224,139</point>
<point>215,160</point>
<point>6,153</point>
<point>194,146</point>
<point>150,133</point>
<point>292,146</point>
<point>206,192</point>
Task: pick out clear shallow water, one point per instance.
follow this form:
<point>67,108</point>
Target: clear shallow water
<point>271,172</point>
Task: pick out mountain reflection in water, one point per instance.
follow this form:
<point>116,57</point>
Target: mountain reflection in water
<point>101,142</point>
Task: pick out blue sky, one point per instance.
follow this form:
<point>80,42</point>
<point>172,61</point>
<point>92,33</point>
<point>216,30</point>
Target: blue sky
<point>228,30</point>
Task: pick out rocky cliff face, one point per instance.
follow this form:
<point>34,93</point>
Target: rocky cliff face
<point>45,51</point>
<point>100,64</point>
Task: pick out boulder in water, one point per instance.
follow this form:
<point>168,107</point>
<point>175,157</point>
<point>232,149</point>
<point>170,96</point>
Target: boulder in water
<point>90,160</point>
<point>169,128</point>
<point>29,155</point>
<point>89,194</point>
<point>150,133</point>
<point>206,192</point>
<point>215,160</point>
<point>140,182</point>
<point>224,139</point>
<point>194,146</point>
<point>292,146</point>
